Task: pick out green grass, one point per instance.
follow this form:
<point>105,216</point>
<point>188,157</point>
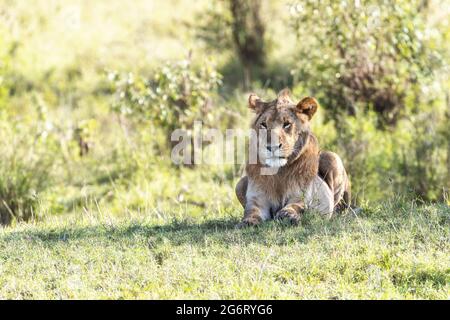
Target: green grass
<point>122,222</point>
<point>395,250</point>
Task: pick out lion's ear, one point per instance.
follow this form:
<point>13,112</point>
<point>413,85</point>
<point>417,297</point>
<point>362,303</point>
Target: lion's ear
<point>308,106</point>
<point>255,103</point>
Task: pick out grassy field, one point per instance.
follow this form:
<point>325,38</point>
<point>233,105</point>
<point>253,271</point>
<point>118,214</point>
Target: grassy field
<point>393,251</point>
<point>121,220</point>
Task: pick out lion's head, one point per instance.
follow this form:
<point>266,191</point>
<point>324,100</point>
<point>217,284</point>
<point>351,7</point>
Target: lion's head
<point>282,127</point>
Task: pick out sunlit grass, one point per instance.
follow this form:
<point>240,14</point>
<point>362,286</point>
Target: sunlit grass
<point>124,222</point>
<point>392,251</point>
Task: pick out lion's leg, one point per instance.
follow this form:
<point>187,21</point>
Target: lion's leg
<point>292,212</point>
<point>254,214</point>
<point>332,171</point>
<point>256,206</point>
<point>241,190</point>
<point>319,197</point>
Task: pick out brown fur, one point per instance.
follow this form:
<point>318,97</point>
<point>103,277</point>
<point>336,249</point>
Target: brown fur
<point>333,173</point>
<point>296,174</point>
<point>299,150</point>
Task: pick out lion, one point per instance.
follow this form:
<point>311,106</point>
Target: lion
<point>290,174</point>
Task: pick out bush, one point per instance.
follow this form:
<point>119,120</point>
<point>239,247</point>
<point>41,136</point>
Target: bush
<point>379,68</point>
<point>173,98</point>
<point>24,172</point>
<point>409,159</point>
<point>376,55</point>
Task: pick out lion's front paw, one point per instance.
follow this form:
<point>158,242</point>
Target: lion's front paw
<point>249,222</point>
<point>291,216</point>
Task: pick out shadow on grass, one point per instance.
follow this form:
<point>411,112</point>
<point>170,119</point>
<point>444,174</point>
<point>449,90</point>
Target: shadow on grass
<point>221,231</point>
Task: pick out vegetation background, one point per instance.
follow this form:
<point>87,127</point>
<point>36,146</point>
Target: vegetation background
<point>92,207</point>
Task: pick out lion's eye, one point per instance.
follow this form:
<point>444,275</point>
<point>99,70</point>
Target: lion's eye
<point>263,125</point>
<point>286,125</point>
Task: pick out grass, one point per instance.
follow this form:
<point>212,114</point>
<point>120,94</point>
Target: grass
<point>122,222</point>
<point>394,251</point>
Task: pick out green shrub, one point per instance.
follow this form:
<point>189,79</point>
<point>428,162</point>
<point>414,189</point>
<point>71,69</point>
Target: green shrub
<point>410,158</point>
<point>174,97</point>
<point>379,69</point>
<point>24,172</point>
<point>370,55</point>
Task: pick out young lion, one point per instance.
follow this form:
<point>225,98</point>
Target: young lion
<point>286,178</point>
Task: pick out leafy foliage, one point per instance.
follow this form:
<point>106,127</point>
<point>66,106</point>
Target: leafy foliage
<point>174,97</point>
<point>370,55</point>
<point>380,63</point>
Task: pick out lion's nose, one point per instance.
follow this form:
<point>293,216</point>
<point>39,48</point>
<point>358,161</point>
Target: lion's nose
<point>274,147</point>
